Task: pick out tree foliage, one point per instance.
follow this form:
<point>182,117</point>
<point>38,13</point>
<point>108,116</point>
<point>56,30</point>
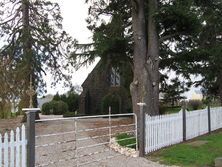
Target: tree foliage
<point>111,25</point>
<point>152,35</point>
<point>164,28</point>
<point>54,107</point>
<point>71,98</point>
<point>173,91</point>
<point>33,39</point>
<point>203,57</point>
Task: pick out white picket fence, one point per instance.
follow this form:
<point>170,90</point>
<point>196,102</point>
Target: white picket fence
<point>162,131</point>
<point>196,123</point>
<point>166,130</point>
<point>216,117</point>
<point>13,148</point>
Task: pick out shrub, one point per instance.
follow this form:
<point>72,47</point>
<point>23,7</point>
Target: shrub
<point>112,100</point>
<point>56,97</point>
<point>73,101</point>
<point>54,107</point>
<point>162,109</point>
<point>60,108</point>
<point>47,108</point>
<point>195,104</point>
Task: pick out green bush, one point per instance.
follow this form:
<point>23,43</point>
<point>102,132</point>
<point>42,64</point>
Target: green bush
<point>112,100</point>
<point>54,107</point>
<point>195,105</point>
<point>71,99</point>
<point>60,108</point>
<point>47,108</point>
<point>162,109</point>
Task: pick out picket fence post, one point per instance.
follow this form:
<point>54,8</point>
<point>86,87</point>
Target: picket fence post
<point>209,119</point>
<point>184,122</point>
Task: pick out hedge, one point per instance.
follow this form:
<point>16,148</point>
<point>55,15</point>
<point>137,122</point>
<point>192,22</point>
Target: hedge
<point>54,107</point>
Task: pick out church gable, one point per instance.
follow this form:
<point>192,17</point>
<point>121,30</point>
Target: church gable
<point>103,81</point>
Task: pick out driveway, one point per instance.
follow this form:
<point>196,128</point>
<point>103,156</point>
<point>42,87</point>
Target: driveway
<point>59,150</point>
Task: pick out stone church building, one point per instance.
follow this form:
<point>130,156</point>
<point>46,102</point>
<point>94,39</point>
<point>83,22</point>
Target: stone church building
<point>106,86</point>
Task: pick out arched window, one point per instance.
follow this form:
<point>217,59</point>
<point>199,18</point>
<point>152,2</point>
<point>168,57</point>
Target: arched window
<point>115,77</point>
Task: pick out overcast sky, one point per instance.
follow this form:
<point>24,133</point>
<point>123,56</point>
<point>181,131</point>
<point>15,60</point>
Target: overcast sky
<point>74,13</point>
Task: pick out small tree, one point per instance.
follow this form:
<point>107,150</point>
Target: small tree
<point>195,104</point>
<point>55,107</point>
<point>73,101</point>
<point>56,97</point>
<point>172,92</point>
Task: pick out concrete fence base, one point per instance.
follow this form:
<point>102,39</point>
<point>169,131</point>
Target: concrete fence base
<point>218,162</point>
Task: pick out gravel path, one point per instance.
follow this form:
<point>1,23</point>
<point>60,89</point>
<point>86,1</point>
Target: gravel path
<point>61,149</point>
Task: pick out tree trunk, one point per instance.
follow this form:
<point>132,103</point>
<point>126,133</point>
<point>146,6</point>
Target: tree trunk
<point>145,85</point>
<point>153,57</point>
<point>28,57</point>
<point>140,51</point>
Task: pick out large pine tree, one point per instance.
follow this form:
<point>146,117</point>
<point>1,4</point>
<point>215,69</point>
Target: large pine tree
<point>202,53</point>
<point>32,37</point>
<point>150,29</point>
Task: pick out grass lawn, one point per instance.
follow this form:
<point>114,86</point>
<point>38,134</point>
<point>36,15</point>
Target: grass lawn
<point>126,140</point>
<point>170,110</point>
<point>199,152</point>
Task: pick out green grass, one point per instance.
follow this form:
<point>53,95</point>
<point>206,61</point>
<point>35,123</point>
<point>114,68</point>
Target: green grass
<point>189,108</point>
<point>69,114</point>
<point>170,110</point>
<point>187,155</point>
<point>122,140</point>
<point>7,115</point>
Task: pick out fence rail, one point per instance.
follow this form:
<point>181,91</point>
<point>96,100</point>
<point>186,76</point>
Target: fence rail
<point>166,130</point>
<point>13,148</point>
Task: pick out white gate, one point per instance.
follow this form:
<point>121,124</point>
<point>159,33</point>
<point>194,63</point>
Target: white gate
<point>80,141</point>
